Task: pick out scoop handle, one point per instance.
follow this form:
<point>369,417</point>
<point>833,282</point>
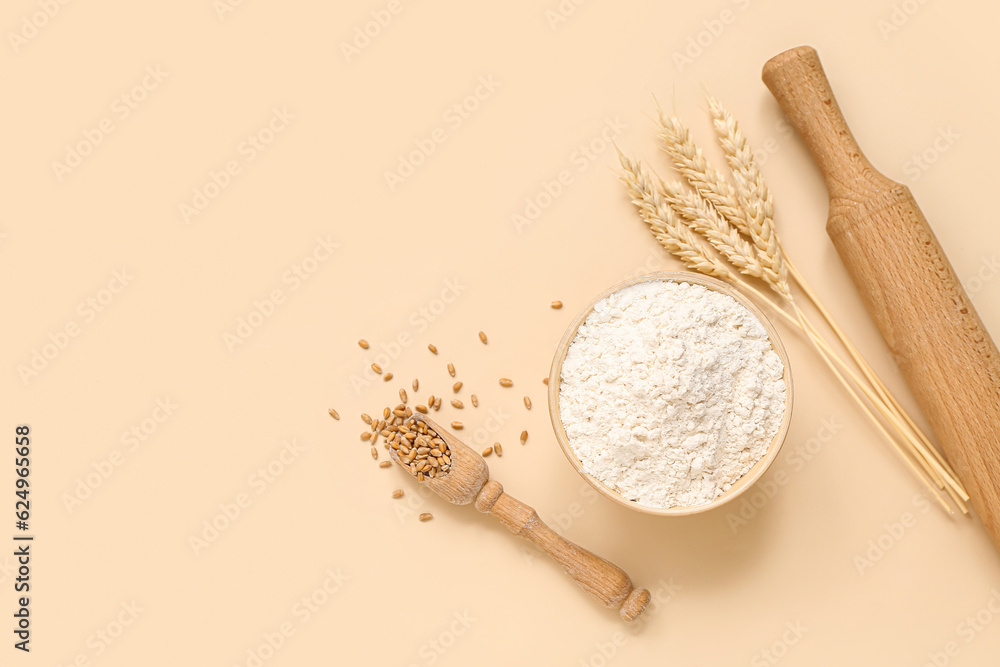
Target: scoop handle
<point>605,581</point>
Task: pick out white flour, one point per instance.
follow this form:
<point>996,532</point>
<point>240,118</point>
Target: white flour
<point>670,392</point>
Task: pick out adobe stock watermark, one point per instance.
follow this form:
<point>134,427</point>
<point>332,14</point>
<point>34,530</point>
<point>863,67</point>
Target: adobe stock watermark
<point>656,260</point>
<point>412,503</point>
<point>123,106</point>
<point>577,161</point>
<point>559,14</point>
<point>230,511</point>
<point>453,118</point>
<point>771,145</point>
<point>966,632</point>
<point>303,610</point>
<point>988,269</point>
<point>893,532</point>
<point>711,30</point>
<point>101,640</point>
<point>780,647</point>
<point>292,279</point>
<point>561,521</point>
<point>606,650</point>
<point>917,164</point>
<point>132,439</point>
<point>485,435</point>
<point>454,628</point>
<point>223,8</point>
<point>43,356</point>
<point>32,23</point>
<point>371,28</point>
<point>795,457</point>
<point>249,149</point>
<point>900,15</point>
<point>420,319</point>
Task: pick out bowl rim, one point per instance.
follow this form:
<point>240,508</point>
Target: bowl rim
<point>744,482</point>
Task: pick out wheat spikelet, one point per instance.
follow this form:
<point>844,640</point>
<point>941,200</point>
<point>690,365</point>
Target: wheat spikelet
<point>691,163</point>
<point>702,217</point>
<point>665,225</point>
<point>751,191</point>
<point>739,155</point>
<point>711,185</point>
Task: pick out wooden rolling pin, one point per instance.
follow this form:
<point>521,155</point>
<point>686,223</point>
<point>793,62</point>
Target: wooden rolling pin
<point>906,282</point>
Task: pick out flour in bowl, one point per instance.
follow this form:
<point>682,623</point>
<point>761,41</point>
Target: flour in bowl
<point>670,392</point>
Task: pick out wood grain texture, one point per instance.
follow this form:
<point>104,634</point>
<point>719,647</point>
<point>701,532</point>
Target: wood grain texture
<point>906,282</point>
<point>468,474</point>
<point>605,581</point>
<point>468,481</point>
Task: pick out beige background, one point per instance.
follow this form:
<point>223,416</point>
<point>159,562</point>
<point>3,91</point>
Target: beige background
<point>784,586</point>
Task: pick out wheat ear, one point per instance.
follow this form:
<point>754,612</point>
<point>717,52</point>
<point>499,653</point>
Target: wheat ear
<point>751,188</point>
<point>690,161</point>
<point>665,225</point>
<point>702,217</point>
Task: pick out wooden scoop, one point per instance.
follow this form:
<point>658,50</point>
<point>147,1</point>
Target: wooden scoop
<point>468,481</point>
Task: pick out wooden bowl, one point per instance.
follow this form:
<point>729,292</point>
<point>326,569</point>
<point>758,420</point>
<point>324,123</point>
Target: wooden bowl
<point>751,475</point>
